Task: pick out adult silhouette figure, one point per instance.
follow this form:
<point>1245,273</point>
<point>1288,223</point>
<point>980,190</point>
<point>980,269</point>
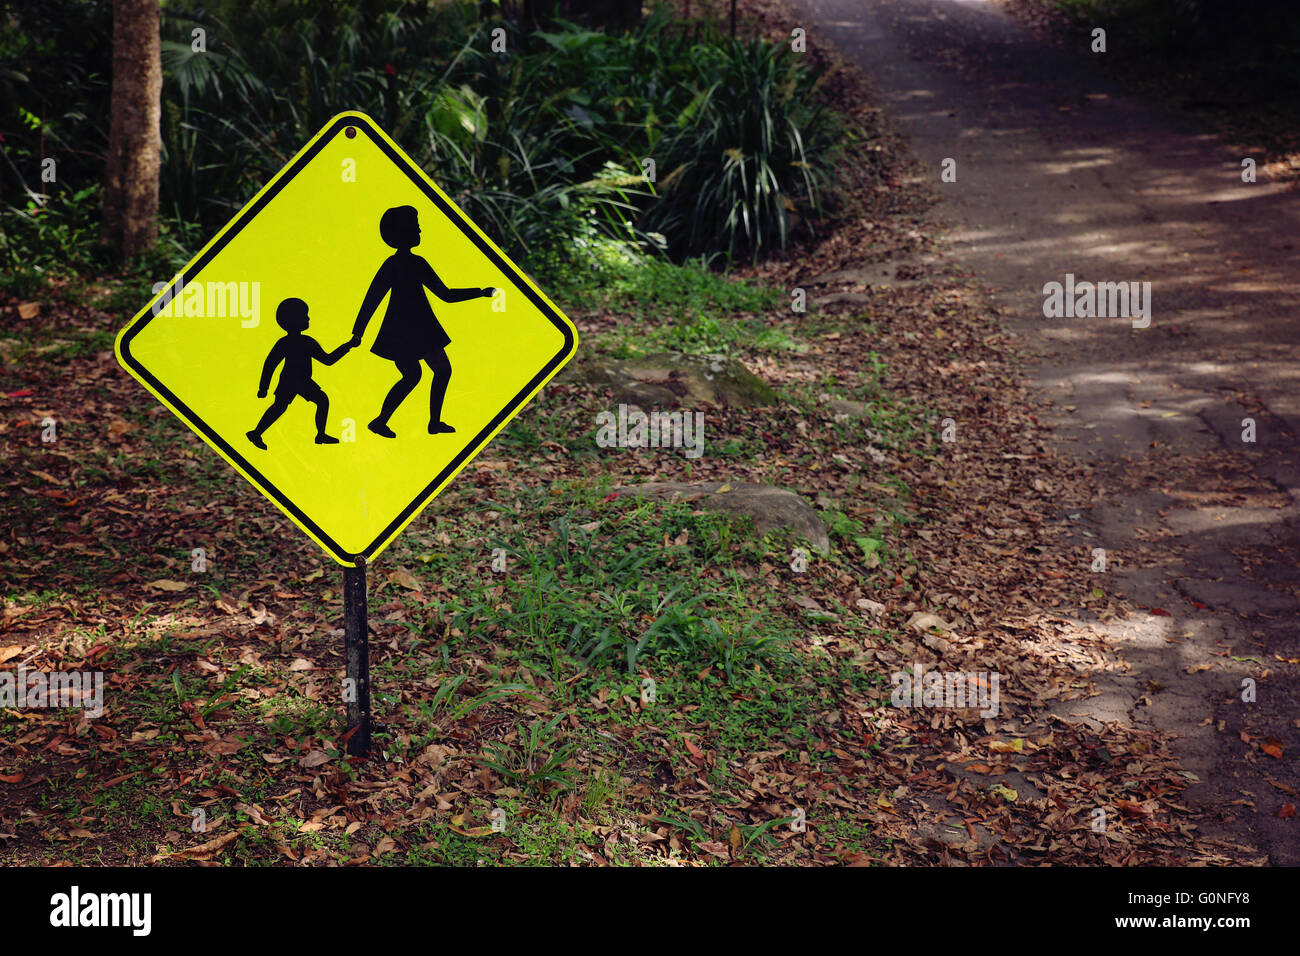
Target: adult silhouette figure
<point>410,333</point>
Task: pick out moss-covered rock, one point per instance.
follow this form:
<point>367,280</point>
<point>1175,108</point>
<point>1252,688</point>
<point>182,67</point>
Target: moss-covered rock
<point>672,379</point>
<point>771,508</point>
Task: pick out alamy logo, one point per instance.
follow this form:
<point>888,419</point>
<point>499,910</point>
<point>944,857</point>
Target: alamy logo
<point>1102,300</point>
<point>74,908</point>
<point>946,689</point>
<point>636,429</point>
<point>210,300</point>
<point>53,689</point>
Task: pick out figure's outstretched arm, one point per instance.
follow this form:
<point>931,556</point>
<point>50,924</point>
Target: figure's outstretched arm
<point>334,356</point>
<point>440,289</point>
<point>268,367</point>
<point>379,287</point>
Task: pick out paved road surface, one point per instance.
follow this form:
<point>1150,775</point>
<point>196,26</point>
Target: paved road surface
<point>1059,172</point>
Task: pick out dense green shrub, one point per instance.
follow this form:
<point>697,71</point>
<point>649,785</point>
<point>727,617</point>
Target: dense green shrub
<point>54,85</point>
<point>751,148</point>
<point>1260,46</point>
<point>543,146</point>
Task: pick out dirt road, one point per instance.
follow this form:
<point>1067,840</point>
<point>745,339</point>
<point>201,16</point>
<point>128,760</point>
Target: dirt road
<point>1059,172</point>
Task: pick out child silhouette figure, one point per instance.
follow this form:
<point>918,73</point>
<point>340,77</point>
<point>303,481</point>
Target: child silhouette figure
<point>296,351</point>
<point>410,333</point>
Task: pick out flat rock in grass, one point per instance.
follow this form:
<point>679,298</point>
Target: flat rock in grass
<point>672,379</point>
<point>842,406</point>
<point>771,508</point>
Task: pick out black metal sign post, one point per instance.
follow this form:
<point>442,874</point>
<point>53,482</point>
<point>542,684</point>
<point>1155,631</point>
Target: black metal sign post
<point>356,631</point>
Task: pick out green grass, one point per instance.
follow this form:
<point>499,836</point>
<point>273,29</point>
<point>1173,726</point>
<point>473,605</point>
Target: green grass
<point>699,333</point>
<point>604,592</point>
<point>685,307</point>
<point>533,674</point>
<point>646,285</point>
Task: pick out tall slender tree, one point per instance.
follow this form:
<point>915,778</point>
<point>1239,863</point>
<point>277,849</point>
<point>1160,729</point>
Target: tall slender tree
<point>135,140</point>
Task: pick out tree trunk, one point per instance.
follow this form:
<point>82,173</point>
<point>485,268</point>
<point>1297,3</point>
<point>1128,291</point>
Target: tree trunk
<point>134,139</point>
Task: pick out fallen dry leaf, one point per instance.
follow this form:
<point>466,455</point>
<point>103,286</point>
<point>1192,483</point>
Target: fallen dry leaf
<point>204,851</point>
<point>314,758</point>
<point>406,579</point>
<point>166,584</point>
<point>1131,809</point>
<point>923,621</point>
<point>1285,787</point>
<point>253,813</point>
<point>470,831</point>
<point>221,748</point>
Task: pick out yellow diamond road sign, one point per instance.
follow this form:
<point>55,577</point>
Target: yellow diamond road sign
<point>349,341</point>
